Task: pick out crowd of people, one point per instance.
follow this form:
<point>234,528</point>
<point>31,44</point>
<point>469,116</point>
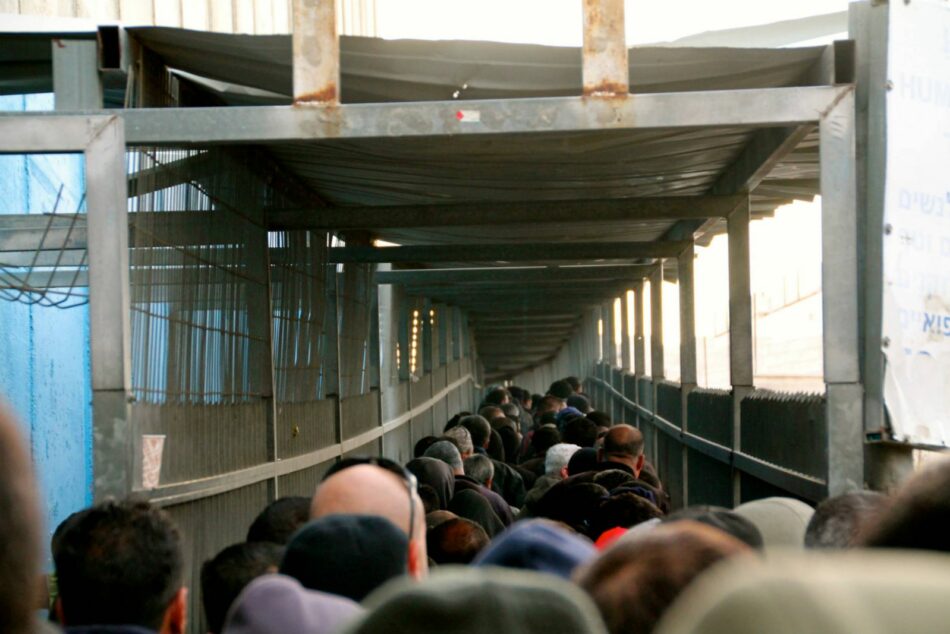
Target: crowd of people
<point>537,513</point>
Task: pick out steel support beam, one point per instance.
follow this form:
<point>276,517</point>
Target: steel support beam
<point>506,252</point>
<point>626,362</point>
<point>687,349</point>
<point>740,326</point>
<point>116,446</point>
<point>518,275</point>
<point>316,52</point>
<point>840,299</point>
<point>639,333</point>
<point>760,107</point>
<point>76,82</point>
<point>758,158</point>
<point>604,53</point>
<point>503,213</point>
<point>657,365</point>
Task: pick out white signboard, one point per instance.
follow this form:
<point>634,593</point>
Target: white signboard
<point>916,318</point>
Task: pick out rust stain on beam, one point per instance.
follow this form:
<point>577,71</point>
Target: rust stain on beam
<point>605,66</point>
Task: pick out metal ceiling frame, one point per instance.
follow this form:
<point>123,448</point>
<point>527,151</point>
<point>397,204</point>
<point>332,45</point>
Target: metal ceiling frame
<point>779,117</point>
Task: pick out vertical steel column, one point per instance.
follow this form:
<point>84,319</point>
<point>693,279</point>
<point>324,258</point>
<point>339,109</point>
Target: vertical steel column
<point>76,81</point>
<point>657,370</point>
<point>428,344</point>
<point>116,446</point>
<point>625,337</point>
<point>260,325</point>
<point>740,324</point>
<point>316,52</point>
<point>605,72</point>
<point>687,348</point>
<point>443,319</point>
<point>639,333</point>
<point>840,298</point>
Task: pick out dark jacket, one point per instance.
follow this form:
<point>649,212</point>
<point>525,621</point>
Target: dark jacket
<point>498,504</point>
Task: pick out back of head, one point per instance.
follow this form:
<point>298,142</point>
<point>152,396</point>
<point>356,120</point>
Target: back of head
<point>447,453</point>
<point>574,382</point>
<point>478,600</point>
<point>635,581</point>
<point>579,402</point>
<point>229,572</point>
<point>723,519</point>
<point>497,396</point>
<point>539,545</point>
<point>561,389</point>
<point>583,460</point>
<point>19,532</point>
<point>512,411</point>
<point>622,510</point>
<point>838,520</point>
<point>119,563</point>
<point>558,457</point>
<point>489,412</point>
<point>872,592</point>
<point>478,427</point>
<point>460,437</point>
<point>276,604</point>
<point>918,516</point>
<point>436,474</point>
<point>573,502</point>
<point>781,521</point>
<point>456,541</point>
<point>623,440</point>
<point>419,449</point>
<point>511,440</point>
<point>279,520</point>
<point>580,431</point>
<point>550,404</point>
<point>544,438</point>
<point>479,468</point>
<point>347,555</point>
<point>601,419</point>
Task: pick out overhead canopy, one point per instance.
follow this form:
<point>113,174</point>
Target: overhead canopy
<point>527,167</point>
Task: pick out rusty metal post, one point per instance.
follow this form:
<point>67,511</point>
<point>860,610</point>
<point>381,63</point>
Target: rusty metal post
<point>605,71</point>
<point>316,51</point>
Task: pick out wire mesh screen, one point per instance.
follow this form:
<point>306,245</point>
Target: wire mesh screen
<point>304,342</point>
<point>355,295</point>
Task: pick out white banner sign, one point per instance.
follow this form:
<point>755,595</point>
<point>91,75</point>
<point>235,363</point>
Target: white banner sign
<point>916,318</point>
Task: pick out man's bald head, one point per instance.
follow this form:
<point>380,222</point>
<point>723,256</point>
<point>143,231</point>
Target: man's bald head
<point>370,490</point>
<point>624,443</point>
<point>623,440</point>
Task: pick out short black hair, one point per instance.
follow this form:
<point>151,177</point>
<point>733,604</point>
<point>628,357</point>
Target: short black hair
<point>544,438</point>
<point>280,520</point>
<point>496,396</point>
<point>574,382</point>
<point>580,431</point>
<point>119,563</point>
<point>601,418</point>
<point>561,389</point>
<point>422,444</point>
<point>478,427</point>
<point>224,576</point>
<point>579,402</point>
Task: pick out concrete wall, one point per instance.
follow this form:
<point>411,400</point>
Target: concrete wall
<point>44,373</point>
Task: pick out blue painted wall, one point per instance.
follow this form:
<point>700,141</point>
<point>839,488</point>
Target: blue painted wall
<point>44,373</point>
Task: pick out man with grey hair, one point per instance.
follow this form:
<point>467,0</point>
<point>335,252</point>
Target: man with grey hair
<point>555,470</point>
<point>480,469</point>
<point>462,439</point>
<point>448,453</point>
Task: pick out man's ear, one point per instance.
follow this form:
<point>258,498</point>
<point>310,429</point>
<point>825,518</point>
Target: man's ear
<point>488,483</point>
<point>640,460</point>
<point>564,473</point>
<point>176,614</point>
<point>418,564</point>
